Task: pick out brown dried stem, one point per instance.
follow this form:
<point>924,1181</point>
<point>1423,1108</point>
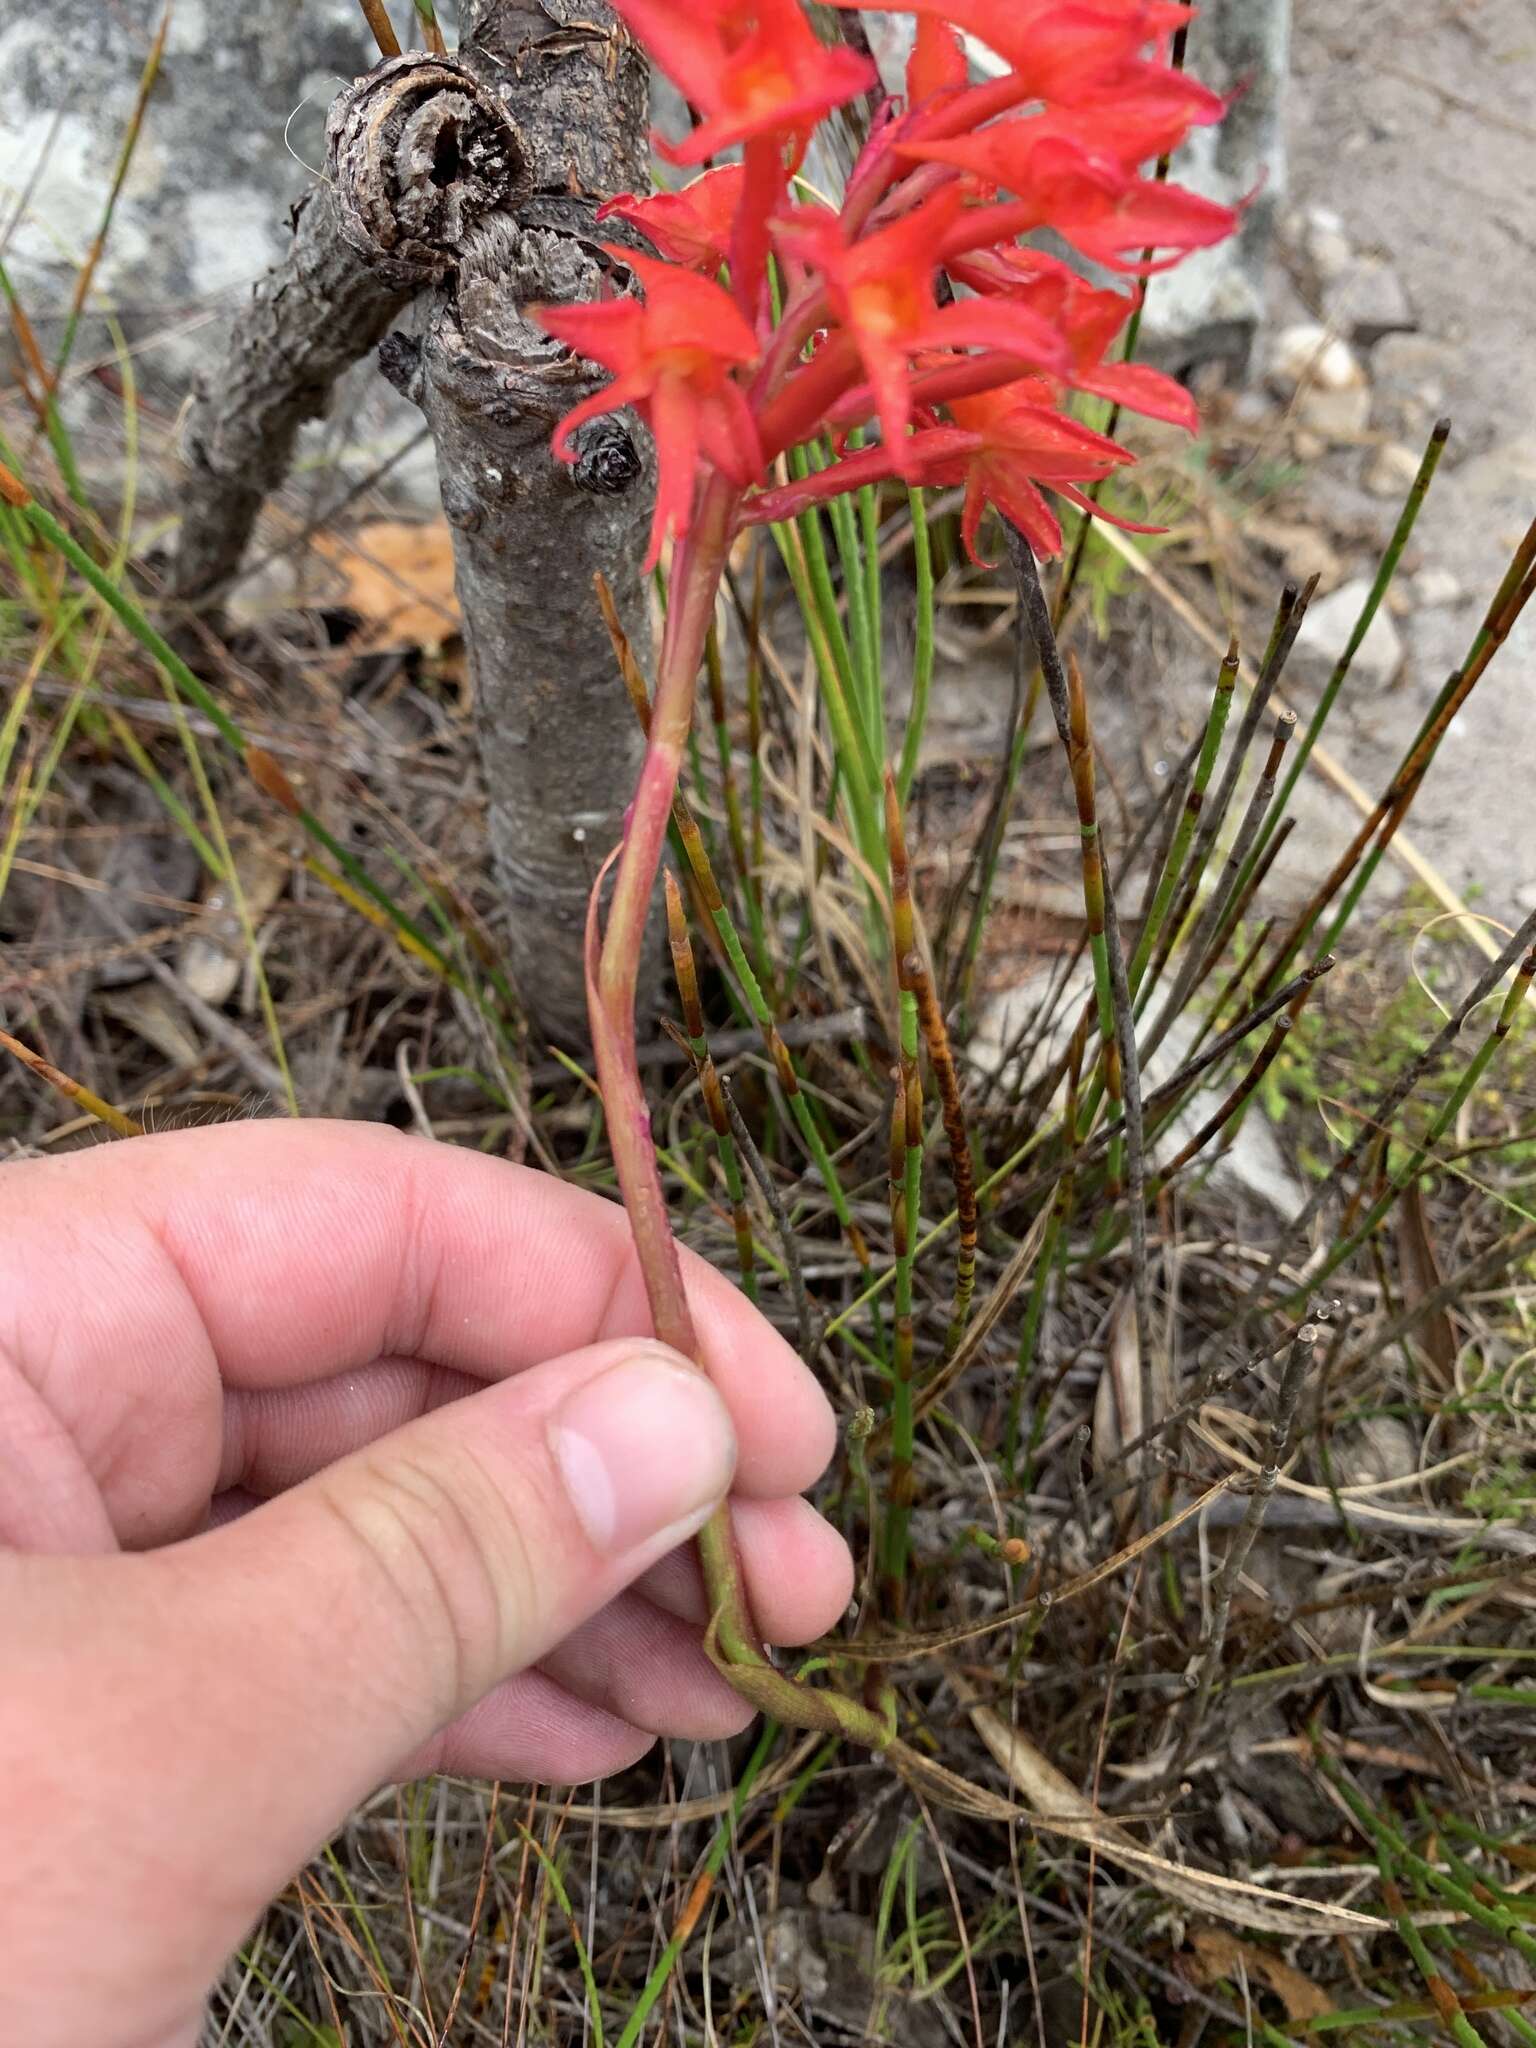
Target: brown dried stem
<point>915,980</point>
<point>73,1091</point>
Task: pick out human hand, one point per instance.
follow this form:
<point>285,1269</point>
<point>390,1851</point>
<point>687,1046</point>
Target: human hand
<point>329,1456</point>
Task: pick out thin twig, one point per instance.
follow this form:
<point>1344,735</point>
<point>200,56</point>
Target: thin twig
<point>1381,1116</point>
<point>757,1167</point>
<point>381,26</point>
<point>1288,1395</point>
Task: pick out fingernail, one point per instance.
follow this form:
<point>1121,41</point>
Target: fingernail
<point>645,1448</point>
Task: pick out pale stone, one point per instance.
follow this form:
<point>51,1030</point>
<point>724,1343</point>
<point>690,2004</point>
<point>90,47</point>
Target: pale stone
<point>1391,470</point>
<point>1436,587</point>
<point>1367,301</point>
<point>1337,416</point>
<point>1325,244</point>
<point>1328,625</point>
<point>1308,353</point>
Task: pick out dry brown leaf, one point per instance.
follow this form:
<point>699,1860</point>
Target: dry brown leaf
<point>1219,1954</point>
<point>147,1009</point>
<point>213,955</point>
<point>1118,1407</point>
<point>1054,1803</point>
<point>1421,1275</point>
<point>397,575</point>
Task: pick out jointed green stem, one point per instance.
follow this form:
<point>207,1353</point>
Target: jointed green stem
<point>1173,872</point>
<point>922,649</point>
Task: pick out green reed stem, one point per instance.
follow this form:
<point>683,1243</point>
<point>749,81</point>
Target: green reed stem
<point>1173,869</point>
<point>1442,1994</point>
<point>1062,1199</point>
<point>915,979</point>
<point>922,648</point>
<point>905,1174</point>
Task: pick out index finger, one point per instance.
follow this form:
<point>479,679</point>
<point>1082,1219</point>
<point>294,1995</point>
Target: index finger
<point>136,1277</point>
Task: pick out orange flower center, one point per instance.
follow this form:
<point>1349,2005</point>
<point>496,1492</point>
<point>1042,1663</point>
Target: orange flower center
<point>886,306</point>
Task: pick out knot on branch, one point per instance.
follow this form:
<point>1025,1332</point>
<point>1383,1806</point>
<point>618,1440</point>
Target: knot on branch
<point>421,151</point>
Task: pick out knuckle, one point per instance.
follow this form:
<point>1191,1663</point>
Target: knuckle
<point>453,1566</point>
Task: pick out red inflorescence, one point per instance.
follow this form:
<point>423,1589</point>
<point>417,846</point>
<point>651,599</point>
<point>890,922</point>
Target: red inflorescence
<point>915,308</point>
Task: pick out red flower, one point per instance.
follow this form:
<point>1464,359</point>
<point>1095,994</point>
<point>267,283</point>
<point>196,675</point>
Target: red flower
<point>1070,172</point>
<point>937,64</point>
<point>1005,447</point>
<point>691,227</point>
<point>672,359</point>
<point>1067,51</point>
<point>753,67</point>
<point>1088,321</point>
<point>1019,442</point>
<point>881,288</point>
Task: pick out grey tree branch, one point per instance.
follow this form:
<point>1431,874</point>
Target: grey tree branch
<point>470,184</point>
<point>321,310</point>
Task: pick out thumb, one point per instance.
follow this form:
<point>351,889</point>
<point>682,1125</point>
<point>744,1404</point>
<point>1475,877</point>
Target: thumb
<point>397,1587</point>
<point>282,1666</point>
<point>404,1582</point>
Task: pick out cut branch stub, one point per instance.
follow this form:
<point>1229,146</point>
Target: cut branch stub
<point>421,150</point>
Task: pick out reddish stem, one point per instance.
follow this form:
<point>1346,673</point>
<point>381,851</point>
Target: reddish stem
<point>699,564</point>
<point>962,377</point>
<point>802,405</point>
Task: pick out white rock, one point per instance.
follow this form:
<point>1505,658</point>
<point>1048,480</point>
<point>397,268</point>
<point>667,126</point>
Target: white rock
<point>1436,586</point>
<point>1253,1164</point>
<point>1309,353</point>
<point>1326,243</point>
<point>1391,470</point>
<point>1329,623</point>
<point>1335,415</point>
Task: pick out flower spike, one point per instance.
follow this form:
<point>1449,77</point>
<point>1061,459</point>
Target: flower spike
<point>912,302</point>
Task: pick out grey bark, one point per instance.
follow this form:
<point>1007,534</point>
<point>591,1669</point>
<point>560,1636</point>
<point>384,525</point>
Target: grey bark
<point>559,745</point>
<point>470,183</point>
